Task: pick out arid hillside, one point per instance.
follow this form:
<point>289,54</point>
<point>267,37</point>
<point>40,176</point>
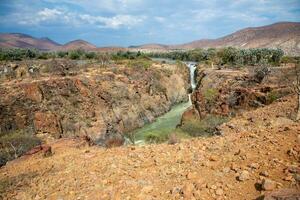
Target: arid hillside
<point>18,40</point>
<point>253,154</point>
<point>257,154</point>
<point>284,35</point>
<point>78,44</point>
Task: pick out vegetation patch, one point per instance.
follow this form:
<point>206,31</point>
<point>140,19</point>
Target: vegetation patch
<point>204,127</point>
<point>225,56</point>
<point>210,95</point>
<point>15,144</point>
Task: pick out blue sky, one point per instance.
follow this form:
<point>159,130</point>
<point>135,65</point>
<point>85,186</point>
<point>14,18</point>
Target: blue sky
<point>132,22</point>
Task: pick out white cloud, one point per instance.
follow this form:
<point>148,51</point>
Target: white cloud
<point>115,6</point>
<point>47,15</point>
<point>112,22</point>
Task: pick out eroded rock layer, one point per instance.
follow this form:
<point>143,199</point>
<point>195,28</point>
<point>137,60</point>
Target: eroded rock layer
<point>101,104</point>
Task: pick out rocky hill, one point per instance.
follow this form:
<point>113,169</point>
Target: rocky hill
<point>284,35</point>
<point>18,40</point>
<point>78,44</point>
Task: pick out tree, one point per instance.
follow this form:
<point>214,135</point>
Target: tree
<point>103,58</point>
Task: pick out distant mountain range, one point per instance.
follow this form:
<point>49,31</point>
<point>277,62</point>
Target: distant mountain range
<point>19,40</point>
<point>284,35</point>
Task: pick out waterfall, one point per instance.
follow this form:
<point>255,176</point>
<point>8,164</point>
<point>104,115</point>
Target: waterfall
<point>192,67</point>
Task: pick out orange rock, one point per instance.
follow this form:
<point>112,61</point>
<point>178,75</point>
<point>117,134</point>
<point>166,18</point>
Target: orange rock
<point>47,123</point>
<point>32,92</point>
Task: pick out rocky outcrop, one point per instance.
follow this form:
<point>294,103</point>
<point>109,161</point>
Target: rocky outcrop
<point>228,92</point>
<point>102,104</point>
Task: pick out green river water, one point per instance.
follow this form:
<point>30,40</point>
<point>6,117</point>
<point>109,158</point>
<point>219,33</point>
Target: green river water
<point>165,124</point>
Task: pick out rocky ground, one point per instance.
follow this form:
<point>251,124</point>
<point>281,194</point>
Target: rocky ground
<point>259,152</point>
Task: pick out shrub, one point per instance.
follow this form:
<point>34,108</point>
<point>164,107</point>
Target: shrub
<point>272,96</point>
<point>62,54</point>
<point>204,127</point>
<point>260,73</point>
<point>74,55</point>
<point>15,144</point>
<point>90,55</point>
<point>210,95</point>
<point>43,55</point>
<point>156,137</point>
<point>140,63</point>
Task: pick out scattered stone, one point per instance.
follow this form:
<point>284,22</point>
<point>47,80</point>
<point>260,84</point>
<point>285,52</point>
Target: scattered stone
<point>219,192</point>
<point>291,152</point>
<point>283,194</point>
<point>173,139</point>
<point>199,185</point>
<point>192,175</point>
<point>214,187</point>
<point>254,165</point>
<point>297,177</point>
<point>268,185</point>
<point>264,173</point>
<point>213,158</point>
<point>293,169</point>
<point>187,190</point>
<point>244,175</point>
<point>234,167</point>
<point>288,178</point>
<point>175,190</point>
<point>226,170</point>
<point>147,189</point>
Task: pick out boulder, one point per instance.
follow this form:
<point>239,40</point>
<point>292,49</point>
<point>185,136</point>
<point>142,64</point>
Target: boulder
<point>283,194</point>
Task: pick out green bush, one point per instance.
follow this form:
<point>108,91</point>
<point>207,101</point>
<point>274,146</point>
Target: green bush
<point>204,127</point>
<point>156,137</point>
<point>210,95</point>
<point>140,63</point>
<point>74,55</point>
<point>62,54</point>
<point>43,55</point>
<point>90,55</point>
<point>224,56</point>
<point>272,96</point>
<point>15,144</point>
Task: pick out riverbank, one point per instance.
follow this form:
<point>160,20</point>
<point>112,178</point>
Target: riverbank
<point>162,127</point>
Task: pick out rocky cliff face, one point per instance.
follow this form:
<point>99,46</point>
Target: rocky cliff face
<point>229,92</point>
<point>100,104</point>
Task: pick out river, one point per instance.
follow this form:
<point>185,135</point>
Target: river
<point>165,124</point>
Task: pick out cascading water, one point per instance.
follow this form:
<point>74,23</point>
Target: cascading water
<point>192,67</point>
<point>166,123</point>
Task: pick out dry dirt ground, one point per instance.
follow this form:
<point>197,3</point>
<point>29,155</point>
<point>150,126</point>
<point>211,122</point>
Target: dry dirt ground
<point>260,146</point>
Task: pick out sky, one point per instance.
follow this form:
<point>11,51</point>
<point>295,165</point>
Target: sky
<point>135,22</point>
